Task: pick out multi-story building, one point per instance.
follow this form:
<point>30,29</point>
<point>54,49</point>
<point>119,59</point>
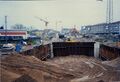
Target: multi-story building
<point>103,28</point>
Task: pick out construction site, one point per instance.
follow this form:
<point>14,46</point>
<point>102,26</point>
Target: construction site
<point>91,54</point>
<point>64,62</point>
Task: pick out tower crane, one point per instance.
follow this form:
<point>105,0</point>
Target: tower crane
<point>109,11</point>
<point>109,14</point>
<point>45,21</point>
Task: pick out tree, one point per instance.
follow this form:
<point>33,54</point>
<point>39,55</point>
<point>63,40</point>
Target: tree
<point>2,27</point>
<point>19,27</point>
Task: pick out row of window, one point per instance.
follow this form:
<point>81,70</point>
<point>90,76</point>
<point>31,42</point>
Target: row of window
<point>101,29</point>
<point>11,37</point>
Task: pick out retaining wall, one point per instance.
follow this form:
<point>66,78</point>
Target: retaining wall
<point>40,52</point>
<point>109,52</point>
<point>73,48</point>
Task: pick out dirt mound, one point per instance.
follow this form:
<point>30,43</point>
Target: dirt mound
<point>60,69</point>
<point>114,63</point>
<point>17,65</point>
<point>25,78</point>
<point>7,76</point>
<point>37,69</point>
<point>91,70</point>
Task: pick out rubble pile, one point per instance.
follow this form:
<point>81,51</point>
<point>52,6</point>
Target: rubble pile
<point>20,68</point>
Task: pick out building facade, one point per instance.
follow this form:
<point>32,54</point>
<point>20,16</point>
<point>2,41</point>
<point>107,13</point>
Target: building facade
<point>103,28</point>
<point>13,34</point>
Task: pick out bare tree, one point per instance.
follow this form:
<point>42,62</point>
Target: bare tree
<point>19,27</point>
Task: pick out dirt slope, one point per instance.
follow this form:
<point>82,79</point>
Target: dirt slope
<point>61,69</point>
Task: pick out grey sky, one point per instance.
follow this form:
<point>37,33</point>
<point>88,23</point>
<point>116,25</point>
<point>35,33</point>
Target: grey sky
<point>70,12</point>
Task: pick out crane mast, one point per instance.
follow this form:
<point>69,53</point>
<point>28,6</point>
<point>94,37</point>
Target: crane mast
<point>109,14</point>
<point>109,11</point>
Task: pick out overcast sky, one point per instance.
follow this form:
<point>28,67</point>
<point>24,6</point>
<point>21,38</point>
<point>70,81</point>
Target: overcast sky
<point>69,12</point>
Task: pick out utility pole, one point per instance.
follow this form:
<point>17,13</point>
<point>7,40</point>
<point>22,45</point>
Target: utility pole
<point>6,28</point>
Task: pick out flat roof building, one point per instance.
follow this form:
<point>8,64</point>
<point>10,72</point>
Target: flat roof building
<point>13,34</point>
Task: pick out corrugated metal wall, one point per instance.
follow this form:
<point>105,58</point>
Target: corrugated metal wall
<point>40,52</point>
<point>108,52</point>
<point>73,48</point>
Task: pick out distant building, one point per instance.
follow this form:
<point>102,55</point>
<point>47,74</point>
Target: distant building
<point>13,34</point>
<point>65,30</point>
<point>49,33</point>
<point>103,28</point>
<point>37,33</point>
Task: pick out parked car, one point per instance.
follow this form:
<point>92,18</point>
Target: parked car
<point>7,47</point>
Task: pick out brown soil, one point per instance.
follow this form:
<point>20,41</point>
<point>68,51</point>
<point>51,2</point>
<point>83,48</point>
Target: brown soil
<point>114,63</point>
<point>91,70</point>
<point>7,76</point>
<point>18,68</point>
<point>25,78</point>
